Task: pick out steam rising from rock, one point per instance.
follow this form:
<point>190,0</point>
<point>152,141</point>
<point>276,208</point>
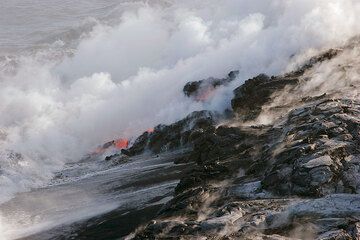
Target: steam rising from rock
<point>124,79</point>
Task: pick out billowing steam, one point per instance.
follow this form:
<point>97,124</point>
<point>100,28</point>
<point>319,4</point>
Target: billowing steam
<point>127,78</point>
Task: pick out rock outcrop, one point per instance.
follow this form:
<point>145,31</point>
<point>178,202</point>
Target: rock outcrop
<point>171,137</point>
<point>201,90</point>
<point>318,150</point>
<point>296,176</point>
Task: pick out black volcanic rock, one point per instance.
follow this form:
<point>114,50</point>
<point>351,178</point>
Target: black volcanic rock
<point>247,181</point>
<point>139,145</point>
<point>198,88</point>
<point>255,92</point>
<point>327,55</point>
<point>295,175</point>
<point>173,136</point>
<point>181,133</point>
<point>319,141</point>
<point>250,97</point>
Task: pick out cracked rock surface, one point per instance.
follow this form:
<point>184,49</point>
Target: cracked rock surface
<point>284,165</point>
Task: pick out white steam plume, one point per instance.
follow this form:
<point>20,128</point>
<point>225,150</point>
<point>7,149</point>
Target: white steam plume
<point>127,78</point>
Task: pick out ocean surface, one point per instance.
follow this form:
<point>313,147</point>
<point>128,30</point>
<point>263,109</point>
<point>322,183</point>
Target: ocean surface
<point>33,24</point>
<point>79,190</point>
<point>77,74</point>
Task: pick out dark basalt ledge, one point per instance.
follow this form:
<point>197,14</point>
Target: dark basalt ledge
<point>177,135</point>
<point>256,92</point>
<point>195,89</point>
<point>296,178</point>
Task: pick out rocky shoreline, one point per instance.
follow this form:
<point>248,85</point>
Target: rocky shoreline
<point>295,177</point>
<point>284,163</point>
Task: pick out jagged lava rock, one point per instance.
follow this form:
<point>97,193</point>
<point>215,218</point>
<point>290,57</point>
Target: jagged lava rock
<point>199,89</point>
<point>295,178</point>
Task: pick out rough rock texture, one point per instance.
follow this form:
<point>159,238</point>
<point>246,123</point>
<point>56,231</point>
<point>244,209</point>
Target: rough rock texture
<point>256,92</point>
<point>199,90</point>
<point>295,177</point>
<point>318,151</point>
<point>176,135</point>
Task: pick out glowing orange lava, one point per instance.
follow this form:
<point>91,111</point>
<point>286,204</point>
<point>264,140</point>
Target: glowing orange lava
<point>205,94</point>
<point>121,143</point>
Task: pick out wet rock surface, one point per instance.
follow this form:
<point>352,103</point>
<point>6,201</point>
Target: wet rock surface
<point>284,163</point>
<point>295,177</point>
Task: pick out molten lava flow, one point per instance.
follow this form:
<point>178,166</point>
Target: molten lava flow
<point>205,94</point>
<point>121,143</point>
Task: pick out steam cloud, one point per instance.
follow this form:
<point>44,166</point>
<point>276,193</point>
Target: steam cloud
<point>126,78</point>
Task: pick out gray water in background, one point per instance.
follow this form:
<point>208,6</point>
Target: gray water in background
<point>34,24</point>
<point>87,189</point>
<point>95,187</point>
